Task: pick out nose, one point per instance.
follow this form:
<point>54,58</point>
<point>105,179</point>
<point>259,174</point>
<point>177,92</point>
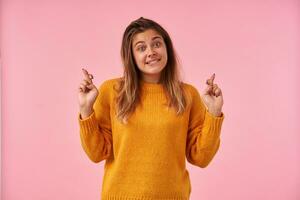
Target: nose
<point>151,52</point>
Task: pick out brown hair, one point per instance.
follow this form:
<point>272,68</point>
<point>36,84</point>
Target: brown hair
<point>129,88</point>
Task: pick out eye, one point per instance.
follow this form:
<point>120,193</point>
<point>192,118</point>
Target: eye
<point>157,44</point>
<point>141,48</point>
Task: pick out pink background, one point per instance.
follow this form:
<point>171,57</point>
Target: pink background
<point>252,46</point>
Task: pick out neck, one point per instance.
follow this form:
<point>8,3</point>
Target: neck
<point>151,78</point>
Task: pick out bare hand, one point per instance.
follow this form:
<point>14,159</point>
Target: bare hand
<point>212,97</point>
<point>87,93</point>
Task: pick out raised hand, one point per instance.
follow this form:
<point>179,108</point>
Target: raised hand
<point>212,97</point>
<point>87,94</point>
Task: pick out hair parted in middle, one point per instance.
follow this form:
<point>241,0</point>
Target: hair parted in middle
<point>128,95</point>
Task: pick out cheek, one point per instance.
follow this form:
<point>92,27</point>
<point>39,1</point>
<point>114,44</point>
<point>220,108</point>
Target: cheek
<point>139,58</point>
<point>163,52</point>
<point>136,56</point>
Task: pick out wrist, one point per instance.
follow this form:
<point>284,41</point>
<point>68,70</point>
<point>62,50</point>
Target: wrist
<point>216,113</point>
<point>85,112</point>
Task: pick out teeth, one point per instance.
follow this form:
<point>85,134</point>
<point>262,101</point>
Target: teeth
<point>154,61</point>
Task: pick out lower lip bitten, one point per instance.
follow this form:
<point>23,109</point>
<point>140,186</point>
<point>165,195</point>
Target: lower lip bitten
<point>153,62</point>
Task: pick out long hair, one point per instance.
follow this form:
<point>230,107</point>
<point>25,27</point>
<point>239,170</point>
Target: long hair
<point>128,95</point>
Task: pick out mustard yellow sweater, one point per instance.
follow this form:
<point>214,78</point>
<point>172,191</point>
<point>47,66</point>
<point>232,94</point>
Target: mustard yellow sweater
<point>145,158</point>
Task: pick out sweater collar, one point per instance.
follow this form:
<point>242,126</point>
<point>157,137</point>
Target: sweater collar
<point>151,87</point>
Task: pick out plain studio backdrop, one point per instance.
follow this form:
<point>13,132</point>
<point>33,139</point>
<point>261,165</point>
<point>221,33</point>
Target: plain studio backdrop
<point>252,46</point>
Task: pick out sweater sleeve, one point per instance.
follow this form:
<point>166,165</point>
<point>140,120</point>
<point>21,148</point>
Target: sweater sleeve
<point>95,130</point>
<point>203,139</point>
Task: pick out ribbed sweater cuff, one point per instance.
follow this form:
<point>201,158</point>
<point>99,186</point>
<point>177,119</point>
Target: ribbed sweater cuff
<point>140,197</point>
<point>89,124</point>
<point>213,124</point>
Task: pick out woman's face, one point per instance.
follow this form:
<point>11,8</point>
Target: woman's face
<point>150,54</point>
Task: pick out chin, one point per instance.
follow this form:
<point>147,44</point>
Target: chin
<point>154,70</point>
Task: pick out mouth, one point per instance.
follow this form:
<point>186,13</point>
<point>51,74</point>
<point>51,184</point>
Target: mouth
<point>151,62</point>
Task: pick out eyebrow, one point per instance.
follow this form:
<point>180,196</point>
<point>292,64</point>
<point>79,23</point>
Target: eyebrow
<point>155,37</point>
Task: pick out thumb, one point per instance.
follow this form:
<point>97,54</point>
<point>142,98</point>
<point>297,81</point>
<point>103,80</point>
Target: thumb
<point>91,86</point>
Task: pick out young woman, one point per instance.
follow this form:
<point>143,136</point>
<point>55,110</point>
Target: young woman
<point>145,123</point>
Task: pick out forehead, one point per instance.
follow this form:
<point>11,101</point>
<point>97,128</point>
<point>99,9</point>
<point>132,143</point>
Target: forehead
<point>145,36</point>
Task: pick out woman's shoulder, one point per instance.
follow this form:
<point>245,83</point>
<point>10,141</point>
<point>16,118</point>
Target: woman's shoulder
<point>109,83</point>
<point>190,88</point>
<point>192,93</point>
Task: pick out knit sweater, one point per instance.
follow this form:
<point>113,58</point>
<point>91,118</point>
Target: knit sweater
<point>145,158</point>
